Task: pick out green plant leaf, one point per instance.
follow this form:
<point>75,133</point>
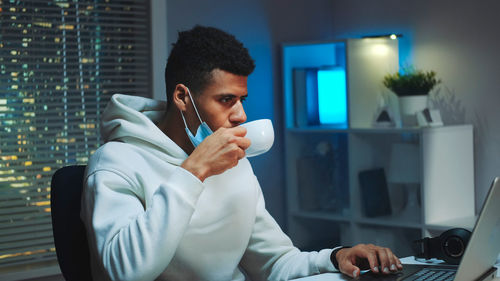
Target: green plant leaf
<point>411,82</point>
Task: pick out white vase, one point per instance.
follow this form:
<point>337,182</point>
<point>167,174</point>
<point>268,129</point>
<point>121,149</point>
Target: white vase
<point>409,106</point>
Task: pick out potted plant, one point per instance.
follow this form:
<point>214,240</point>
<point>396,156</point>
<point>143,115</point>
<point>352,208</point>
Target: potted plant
<point>412,87</point>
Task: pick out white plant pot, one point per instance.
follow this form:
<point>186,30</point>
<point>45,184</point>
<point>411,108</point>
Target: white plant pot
<point>409,106</point>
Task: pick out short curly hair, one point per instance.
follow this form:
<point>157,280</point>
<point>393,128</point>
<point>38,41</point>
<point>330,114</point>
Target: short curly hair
<point>198,52</point>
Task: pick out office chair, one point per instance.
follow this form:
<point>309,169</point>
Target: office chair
<point>70,237</point>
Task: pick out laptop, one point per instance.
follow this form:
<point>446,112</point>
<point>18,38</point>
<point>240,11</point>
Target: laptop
<point>479,257</point>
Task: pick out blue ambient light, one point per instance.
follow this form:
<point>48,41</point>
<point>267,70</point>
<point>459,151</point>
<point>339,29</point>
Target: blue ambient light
<point>332,96</point>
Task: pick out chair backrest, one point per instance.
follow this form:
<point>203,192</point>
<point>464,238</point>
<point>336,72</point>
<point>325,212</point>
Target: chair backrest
<point>70,238</point>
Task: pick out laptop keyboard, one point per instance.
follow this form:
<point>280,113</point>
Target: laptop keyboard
<point>429,274</point>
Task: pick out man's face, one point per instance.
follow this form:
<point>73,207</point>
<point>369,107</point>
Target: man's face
<point>220,104</point>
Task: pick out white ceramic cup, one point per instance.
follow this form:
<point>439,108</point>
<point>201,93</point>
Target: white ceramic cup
<point>261,134</point>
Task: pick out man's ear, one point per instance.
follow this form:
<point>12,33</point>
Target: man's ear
<point>180,97</point>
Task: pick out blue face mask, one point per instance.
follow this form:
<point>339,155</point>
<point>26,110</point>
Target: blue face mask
<point>203,130</point>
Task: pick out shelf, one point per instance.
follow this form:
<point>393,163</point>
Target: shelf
<point>323,163</point>
<point>375,130</point>
<point>327,129</point>
<point>389,221</point>
<point>467,223</point>
<point>322,216</point>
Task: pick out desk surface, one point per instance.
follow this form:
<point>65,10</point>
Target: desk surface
<point>340,277</point>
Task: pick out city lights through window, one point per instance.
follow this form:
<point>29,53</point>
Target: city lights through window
<point>60,61</point>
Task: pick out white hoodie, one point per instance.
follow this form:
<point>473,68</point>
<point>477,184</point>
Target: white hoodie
<point>149,219</point>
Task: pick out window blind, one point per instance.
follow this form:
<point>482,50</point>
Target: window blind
<point>60,61</point>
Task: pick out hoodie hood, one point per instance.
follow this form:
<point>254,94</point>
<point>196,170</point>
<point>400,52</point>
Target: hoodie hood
<point>133,119</point>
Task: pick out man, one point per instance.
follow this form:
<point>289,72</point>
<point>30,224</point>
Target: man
<point>167,199</point>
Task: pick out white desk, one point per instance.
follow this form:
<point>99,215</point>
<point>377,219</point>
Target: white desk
<point>339,276</point>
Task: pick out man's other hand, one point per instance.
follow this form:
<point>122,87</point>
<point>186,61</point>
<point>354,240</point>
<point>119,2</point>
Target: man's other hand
<point>218,152</point>
<point>361,257</point>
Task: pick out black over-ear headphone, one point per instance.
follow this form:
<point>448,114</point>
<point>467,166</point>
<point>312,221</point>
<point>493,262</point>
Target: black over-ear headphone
<point>449,246</point>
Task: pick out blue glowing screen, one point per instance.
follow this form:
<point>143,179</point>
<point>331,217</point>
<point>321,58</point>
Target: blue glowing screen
<point>332,96</point>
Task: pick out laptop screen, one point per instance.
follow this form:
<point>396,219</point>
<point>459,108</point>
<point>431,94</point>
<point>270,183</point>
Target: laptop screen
<point>484,245</point>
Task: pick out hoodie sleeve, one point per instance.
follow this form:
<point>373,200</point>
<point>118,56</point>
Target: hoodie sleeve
<point>270,254</point>
<point>131,242</point>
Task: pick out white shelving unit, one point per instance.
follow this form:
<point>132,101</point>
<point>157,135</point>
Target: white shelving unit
<point>326,205</point>
<point>445,185</point>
